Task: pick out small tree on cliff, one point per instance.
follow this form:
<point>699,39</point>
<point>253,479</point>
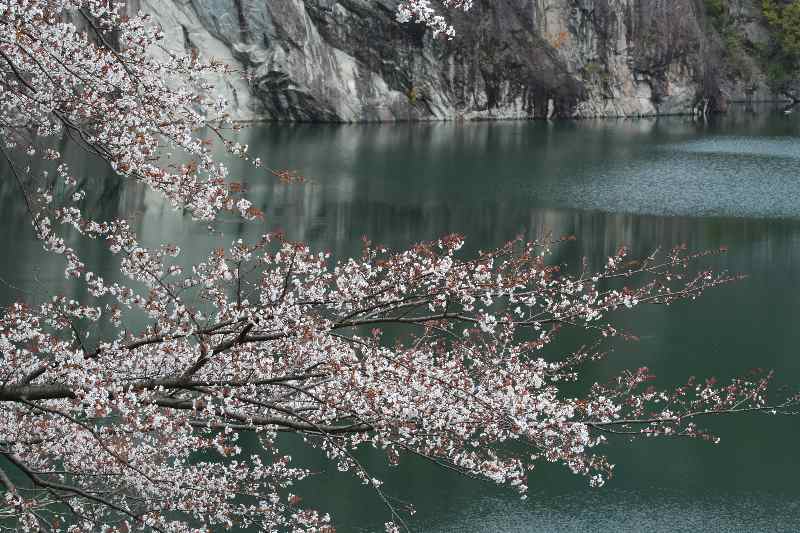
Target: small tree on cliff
<point>141,429</point>
<point>783,56</point>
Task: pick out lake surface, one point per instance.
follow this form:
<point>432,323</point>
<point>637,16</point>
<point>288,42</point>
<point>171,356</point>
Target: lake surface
<point>732,181</point>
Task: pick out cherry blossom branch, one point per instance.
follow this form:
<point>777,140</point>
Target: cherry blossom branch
<point>38,481</point>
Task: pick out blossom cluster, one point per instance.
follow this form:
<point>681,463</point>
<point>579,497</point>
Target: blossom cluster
<point>103,88</point>
<point>423,12</point>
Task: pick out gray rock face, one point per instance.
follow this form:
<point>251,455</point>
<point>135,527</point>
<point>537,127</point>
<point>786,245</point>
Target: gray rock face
<point>350,61</point>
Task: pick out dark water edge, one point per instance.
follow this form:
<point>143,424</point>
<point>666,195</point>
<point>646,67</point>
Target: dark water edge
<point>734,106</point>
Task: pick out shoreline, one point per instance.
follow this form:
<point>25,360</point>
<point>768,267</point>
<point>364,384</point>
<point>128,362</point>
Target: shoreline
<point>461,119</point>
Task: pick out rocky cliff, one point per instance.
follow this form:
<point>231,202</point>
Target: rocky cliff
<point>349,60</point>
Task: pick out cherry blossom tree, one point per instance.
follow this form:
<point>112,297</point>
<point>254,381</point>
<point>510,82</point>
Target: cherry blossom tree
<point>420,352</point>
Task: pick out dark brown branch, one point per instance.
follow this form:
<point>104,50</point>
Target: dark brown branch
<point>687,416</point>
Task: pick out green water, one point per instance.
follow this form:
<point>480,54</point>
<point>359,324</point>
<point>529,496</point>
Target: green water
<point>733,181</point>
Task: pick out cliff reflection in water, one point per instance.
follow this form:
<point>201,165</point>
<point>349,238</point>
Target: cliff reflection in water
<point>607,182</point>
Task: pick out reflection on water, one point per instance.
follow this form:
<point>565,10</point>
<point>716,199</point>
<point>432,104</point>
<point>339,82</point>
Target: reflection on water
<point>609,183</point>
